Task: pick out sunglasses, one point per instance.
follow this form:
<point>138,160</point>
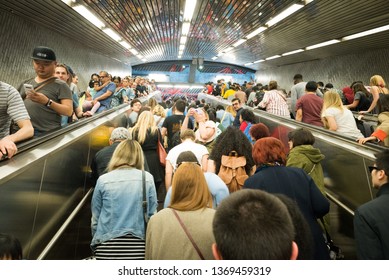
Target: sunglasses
<point>371,168</point>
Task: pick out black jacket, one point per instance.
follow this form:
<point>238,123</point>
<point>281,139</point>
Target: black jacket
<point>297,185</point>
<point>371,227</point>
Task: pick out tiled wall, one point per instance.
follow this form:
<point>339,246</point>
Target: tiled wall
<point>341,70</point>
<point>18,39</point>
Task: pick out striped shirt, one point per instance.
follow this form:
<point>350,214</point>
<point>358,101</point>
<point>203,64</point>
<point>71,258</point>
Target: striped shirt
<point>11,108</point>
<point>275,103</point>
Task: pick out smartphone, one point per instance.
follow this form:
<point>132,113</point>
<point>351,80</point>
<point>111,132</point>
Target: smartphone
<point>27,88</point>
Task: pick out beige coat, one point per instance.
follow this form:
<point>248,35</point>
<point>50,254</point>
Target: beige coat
<point>166,240</point>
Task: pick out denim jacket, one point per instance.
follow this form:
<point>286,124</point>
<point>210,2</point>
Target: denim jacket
<point>117,204</point>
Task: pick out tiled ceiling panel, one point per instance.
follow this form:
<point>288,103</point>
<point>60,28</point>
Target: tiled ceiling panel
<point>153,27</point>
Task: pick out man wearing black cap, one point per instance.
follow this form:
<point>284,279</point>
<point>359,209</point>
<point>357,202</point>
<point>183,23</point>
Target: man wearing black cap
<point>50,97</point>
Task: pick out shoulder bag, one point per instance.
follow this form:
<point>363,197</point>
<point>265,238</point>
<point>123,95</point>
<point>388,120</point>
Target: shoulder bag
<point>144,202</point>
<point>161,151</point>
<point>188,234</point>
<point>334,251</point>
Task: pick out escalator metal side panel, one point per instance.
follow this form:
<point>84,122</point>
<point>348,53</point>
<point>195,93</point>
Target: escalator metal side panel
<point>41,186</point>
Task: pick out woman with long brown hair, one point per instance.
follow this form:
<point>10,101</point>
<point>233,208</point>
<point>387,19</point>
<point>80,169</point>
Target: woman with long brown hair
<point>189,216</point>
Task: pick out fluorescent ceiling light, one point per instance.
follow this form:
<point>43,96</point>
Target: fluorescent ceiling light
<point>134,51</point>
<point>182,47</point>
<point>366,33</point>
<point>125,44</point>
<point>322,44</point>
<point>214,58</point>
<point>181,86</point>
<point>292,9</point>
<point>239,42</point>
<point>183,40</point>
<point>144,59</point>
<point>292,52</point>
<point>189,9</point>
<point>258,61</point>
<point>68,2</point>
<point>273,57</point>
<point>140,56</point>
<point>112,34</point>
<point>180,56</point>
<point>247,64</point>
<point>88,15</point>
<point>185,28</point>
<point>256,32</point>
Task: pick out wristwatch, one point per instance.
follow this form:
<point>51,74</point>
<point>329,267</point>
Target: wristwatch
<point>48,104</point>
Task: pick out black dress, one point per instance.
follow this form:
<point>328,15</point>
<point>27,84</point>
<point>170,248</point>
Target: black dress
<point>149,147</point>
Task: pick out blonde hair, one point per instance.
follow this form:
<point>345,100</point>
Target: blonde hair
<point>128,153</point>
<point>189,189</point>
<point>159,111</point>
<point>145,122</point>
<point>231,110</point>
<point>152,103</point>
<point>378,81</point>
<point>332,99</point>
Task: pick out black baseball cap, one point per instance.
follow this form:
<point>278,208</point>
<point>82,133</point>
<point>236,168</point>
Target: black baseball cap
<point>43,53</point>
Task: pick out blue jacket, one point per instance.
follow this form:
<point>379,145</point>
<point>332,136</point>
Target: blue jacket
<point>117,204</point>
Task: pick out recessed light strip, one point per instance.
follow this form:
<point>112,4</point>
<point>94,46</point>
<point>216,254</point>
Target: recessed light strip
<point>366,33</point>
<point>292,52</point>
<point>291,10</point>
<point>326,43</point>
<point>88,15</point>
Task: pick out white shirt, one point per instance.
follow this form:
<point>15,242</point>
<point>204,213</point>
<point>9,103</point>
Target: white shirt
<point>345,122</point>
<point>198,149</point>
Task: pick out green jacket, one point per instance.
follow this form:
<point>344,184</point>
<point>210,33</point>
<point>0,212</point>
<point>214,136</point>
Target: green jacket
<point>308,158</point>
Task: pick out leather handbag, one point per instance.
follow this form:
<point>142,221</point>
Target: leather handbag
<point>161,152</point>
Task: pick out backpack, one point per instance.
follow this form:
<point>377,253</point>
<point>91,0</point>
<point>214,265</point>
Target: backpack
<point>176,139</point>
<point>232,171</point>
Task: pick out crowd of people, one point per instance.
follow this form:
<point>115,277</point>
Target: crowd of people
<point>52,99</point>
<point>227,189</point>
<point>317,104</point>
<point>195,218</point>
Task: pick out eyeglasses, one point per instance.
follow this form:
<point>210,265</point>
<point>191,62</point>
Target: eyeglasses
<point>371,168</point>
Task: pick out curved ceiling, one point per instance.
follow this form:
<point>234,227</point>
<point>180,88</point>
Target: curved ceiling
<point>154,28</point>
